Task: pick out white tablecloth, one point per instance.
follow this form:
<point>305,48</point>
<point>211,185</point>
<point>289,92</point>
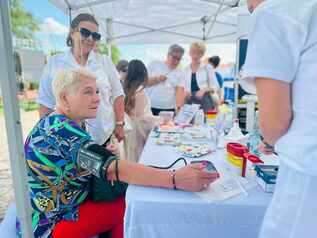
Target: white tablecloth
<point>164,213</point>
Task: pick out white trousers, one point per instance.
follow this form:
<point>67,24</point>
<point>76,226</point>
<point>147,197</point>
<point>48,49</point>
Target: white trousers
<point>293,209</point>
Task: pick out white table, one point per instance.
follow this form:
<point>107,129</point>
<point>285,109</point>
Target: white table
<point>163,213</point>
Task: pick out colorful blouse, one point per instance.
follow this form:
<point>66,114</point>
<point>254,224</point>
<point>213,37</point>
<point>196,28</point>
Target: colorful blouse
<point>57,185</point>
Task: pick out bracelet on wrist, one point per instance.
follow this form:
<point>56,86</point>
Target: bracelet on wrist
<point>268,146</point>
<point>173,179</point>
<point>120,123</point>
<point>117,169</point>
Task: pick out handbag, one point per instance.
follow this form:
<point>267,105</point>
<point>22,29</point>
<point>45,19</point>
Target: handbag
<point>210,99</point>
<point>102,189</point>
<point>207,102</point>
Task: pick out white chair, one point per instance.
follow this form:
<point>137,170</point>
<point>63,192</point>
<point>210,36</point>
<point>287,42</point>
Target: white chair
<point>7,227</point>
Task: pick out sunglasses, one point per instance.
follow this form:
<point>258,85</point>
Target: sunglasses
<point>176,57</point>
<point>86,33</point>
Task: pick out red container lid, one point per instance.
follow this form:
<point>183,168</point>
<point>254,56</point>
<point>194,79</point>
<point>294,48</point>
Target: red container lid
<point>252,158</point>
<point>212,112</point>
<point>237,149</point>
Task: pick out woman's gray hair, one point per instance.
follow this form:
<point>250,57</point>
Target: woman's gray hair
<point>68,81</point>
<point>176,49</point>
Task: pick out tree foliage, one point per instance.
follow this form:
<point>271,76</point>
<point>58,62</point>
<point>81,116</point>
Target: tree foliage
<point>115,53</point>
<point>23,23</point>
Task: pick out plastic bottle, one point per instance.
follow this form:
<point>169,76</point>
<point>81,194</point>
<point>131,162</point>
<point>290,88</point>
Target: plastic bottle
<point>255,136</point>
<point>199,118</point>
<point>228,118</point>
<point>235,132</point>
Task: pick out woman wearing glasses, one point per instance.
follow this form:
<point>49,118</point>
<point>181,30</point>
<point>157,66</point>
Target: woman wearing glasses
<point>82,39</point>
<point>165,86</point>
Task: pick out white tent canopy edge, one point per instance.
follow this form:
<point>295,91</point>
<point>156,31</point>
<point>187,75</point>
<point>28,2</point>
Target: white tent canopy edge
<point>162,22</point>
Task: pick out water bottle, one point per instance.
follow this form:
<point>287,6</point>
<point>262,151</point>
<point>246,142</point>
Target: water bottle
<point>199,118</point>
<point>228,119</point>
<point>255,136</point>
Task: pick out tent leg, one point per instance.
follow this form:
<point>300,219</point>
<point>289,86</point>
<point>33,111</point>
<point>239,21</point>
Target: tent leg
<point>13,123</point>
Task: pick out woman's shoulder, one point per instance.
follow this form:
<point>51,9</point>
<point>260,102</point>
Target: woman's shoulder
<point>54,124</point>
<point>140,92</point>
<point>60,57</point>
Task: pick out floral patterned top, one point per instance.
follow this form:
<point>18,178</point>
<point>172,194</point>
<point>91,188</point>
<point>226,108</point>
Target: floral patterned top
<point>57,185</point>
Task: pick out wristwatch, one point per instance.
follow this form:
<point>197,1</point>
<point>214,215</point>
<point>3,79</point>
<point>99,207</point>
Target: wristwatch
<point>120,123</point>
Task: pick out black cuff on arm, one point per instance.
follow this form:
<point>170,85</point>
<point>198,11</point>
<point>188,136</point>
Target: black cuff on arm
<point>95,158</point>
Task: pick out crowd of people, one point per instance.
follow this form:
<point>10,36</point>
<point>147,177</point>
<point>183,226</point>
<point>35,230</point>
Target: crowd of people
<point>85,101</point>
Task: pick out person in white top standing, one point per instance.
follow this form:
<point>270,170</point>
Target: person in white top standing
<point>165,86</point>
<point>198,78</point>
<point>82,40</point>
<point>281,59</point>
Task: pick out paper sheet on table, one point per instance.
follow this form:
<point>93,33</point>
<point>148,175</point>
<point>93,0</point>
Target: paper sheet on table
<point>225,187</point>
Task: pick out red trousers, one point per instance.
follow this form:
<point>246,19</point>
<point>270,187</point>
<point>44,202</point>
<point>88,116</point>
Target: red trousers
<point>93,219</point>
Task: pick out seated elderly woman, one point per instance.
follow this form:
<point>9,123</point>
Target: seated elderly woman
<point>62,158</point>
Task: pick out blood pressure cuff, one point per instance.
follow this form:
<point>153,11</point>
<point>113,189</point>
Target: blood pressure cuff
<point>96,159</point>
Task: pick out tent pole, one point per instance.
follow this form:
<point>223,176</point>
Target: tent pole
<point>13,123</point>
<point>70,16</point>
<point>109,25</point>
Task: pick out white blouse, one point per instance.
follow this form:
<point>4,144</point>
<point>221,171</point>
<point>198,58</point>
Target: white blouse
<point>204,74</point>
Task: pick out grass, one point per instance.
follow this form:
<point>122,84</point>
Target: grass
<point>26,106</point>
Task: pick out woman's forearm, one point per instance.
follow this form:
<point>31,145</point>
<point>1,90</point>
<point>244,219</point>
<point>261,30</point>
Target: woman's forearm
<point>275,108</point>
<point>152,81</point>
<point>138,174</point>
<point>180,96</point>
<point>118,106</point>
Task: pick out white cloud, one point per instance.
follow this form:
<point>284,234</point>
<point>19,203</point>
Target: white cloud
<point>51,26</point>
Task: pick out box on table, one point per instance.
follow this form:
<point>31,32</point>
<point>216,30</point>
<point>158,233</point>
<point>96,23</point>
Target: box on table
<point>266,176</point>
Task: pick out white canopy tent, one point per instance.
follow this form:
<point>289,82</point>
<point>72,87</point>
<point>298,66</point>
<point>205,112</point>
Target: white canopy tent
<point>122,21</point>
<point>161,21</point>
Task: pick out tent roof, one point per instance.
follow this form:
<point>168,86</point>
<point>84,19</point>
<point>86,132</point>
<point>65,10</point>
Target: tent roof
<point>161,21</point>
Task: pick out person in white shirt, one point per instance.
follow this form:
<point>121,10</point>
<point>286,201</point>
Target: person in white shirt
<point>82,39</point>
<point>198,78</point>
<point>165,86</point>
<point>281,59</point>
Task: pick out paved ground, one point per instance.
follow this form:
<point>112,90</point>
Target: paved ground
<point>28,120</point>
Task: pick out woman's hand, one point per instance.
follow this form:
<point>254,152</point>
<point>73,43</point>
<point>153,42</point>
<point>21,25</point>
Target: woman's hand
<point>194,178</point>
<point>161,78</point>
<point>199,94</point>
<point>119,133</point>
<point>266,148</point>
<point>113,149</point>
<point>188,95</point>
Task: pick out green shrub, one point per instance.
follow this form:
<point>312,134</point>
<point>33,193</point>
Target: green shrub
<point>33,85</point>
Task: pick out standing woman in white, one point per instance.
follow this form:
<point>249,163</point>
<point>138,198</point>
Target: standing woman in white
<point>165,86</point>
<point>282,60</point>
<point>82,39</point>
<point>198,78</point>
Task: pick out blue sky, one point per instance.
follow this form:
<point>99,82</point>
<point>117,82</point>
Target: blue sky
<point>52,18</point>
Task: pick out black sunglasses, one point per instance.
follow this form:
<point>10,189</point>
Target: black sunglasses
<point>86,33</point>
